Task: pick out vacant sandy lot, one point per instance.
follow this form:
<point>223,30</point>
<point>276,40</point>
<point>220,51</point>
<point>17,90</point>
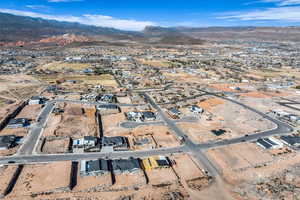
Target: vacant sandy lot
<point>42,178</point>
<point>60,145</point>
<point>185,167</point>
<point>75,122</point>
<point>87,183</point>
<point>161,176</point>
<point>229,117</point>
<point>21,132</point>
<point>129,180</point>
<point>30,112</point>
<point>239,156</point>
<point>6,174</point>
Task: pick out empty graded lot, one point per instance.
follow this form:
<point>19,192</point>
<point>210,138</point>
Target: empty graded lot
<point>161,176</point>
<point>93,183</point>
<point>6,175</point>
<point>131,180</point>
<point>240,156</point>
<point>76,121</point>
<point>42,178</point>
<point>229,118</point>
<point>30,112</point>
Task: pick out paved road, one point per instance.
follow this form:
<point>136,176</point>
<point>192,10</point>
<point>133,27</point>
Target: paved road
<point>191,146</point>
<point>289,105</point>
<point>35,131</point>
<point>95,103</point>
<point>28,159</point>
<point>130,125</point>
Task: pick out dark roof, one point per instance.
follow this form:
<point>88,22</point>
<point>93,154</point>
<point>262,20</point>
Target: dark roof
<point>126,165</point>
<point>108,106</point>
<point>149,114</point>
<point>96,165</point>
<point>162,163</point>
<point>22,121</point>
<point>292,140</point>
<point>175,111</point>
<point>7,140</point>
<point>36,98</point>
<point>263,143</point>
<point>114,141</point>
<point>90,138</point>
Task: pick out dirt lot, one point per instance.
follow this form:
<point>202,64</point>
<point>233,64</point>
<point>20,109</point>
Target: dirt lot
<point>6,174</point>
<point>21,132</point>
<point>164,193</point>
<point>185,167</point>
<point>88,183</point>
<point>231,118</point>
<point>164,176</point>
<point>129,180</point>
<point>56,145</point>
<point>240,156</point>
<point>9,152</point>
<point>77,121</point>
<point>30,112</point>
<point>35,179</point>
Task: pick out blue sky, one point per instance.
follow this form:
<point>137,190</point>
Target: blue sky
<point>136,14</point>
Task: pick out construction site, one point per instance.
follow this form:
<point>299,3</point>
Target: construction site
<point>148,176</point>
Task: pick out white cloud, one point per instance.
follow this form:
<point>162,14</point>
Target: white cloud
<point>96,20</point>
<point>283,2</point>
<point>36,6</point>
<point>291,14</point>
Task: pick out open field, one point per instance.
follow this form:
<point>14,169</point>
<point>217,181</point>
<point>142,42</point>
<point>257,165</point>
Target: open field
<point>81,81</point>
<point>76,122</point>
<point>6,174</point>
<point>36,179</point>
<point>225,117</point>
<point>64,66</point>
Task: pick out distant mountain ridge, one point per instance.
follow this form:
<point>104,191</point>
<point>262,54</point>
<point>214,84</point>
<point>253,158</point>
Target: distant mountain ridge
<point>19,28</point>
<point>290,33</point>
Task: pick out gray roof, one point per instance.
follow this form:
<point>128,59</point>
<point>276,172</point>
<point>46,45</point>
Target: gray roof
<point>96,165</point>
<point>7,140</point>
<point>118,141</point>
<point>292,140</point>
<point>126,165</point>
<point>22,121</point>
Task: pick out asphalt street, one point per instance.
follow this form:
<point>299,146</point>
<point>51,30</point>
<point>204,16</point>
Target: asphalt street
<point>35,131</point>
<point>44,158</point>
